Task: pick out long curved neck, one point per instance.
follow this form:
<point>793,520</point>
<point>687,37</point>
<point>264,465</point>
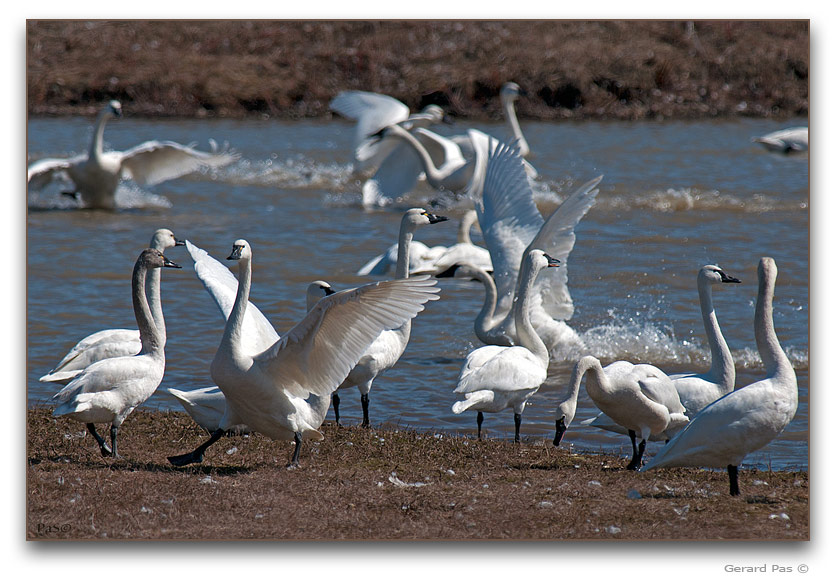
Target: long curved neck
<point>234,324</point>
<point>405,236</point>
<point>152,289</point>
<point>148,333</point>
<point>772,355</point>
<point>98,136</point>
<point>526,334</point>
<point>434,177</point>
<point>598,382</point>
<point>485,319</point>
<point>514,124</point>
<point>463,235</point>
<point>722,364</point>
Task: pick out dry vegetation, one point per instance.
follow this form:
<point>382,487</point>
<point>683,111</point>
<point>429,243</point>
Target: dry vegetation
<point>571,69</point>
<point>381,484</point>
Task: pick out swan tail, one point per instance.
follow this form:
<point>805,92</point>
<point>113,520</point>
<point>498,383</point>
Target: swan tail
<point>472,399</point>
<point>62,377</point>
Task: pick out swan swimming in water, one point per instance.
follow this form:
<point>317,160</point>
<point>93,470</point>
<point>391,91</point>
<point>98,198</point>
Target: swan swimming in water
<point>385,351</point>
<point>790,140</point>
<point>207,405</point>
<point>493,377</point>
<point>746,419</point>
<point>512,226</point>
<point>373,112</point>
<point>109,390</point>
<point>96,174</point>
<point>114,342</point>
<point>284,391</point>
<point>639,397</point>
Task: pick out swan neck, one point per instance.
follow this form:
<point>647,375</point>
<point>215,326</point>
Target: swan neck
<point>485,319</point>
<point>152,289</point>
<point>598,383</point>
<point>514,124</point>
<point>526,334</point>
<point>96,146</point>
<point>771,353</point>
<point>234,324</point>
<point>149,336</point>
<point>434,177</point>
<point>404,242</point>
<point>463,235</point>
<point>722,364</point>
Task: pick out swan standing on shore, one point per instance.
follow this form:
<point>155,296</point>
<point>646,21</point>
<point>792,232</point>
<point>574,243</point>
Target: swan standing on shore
<point>115,342</point>
<point>96,174</point>
<point>494,378</point>
<point>639,397</point>
<point>386,349</point>
<point>284,391</point>
<point>791,140</point>
<point>109,390</point>
<point>512,226</point>
<point>746,419</point>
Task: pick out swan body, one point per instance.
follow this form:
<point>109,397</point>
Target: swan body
<point>790,140</point>
<point>284,391</point>
<point>511,226</point>
<point>639,397</point>
<point>493,377</point>
<point>107,391</point>
<point>463,252</point>
<point>746,419</point>
<point>421,258</point>
<point>96,174</point>
<point>115,342</point>
<point>373,112</point>
<point>386,349</point>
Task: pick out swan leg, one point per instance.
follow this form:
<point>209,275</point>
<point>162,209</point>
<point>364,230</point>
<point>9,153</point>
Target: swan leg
<point>113,431</point>
<point>106,451</point>
<point>733,487</point>
<point>196,456</point>
<point>297,440</point>
<point>335,400</point>
<point>638,451</point>
<point>517,423</point>
<point>364,401</point>
<point>479,418</point>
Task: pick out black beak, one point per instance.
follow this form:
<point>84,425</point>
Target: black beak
<point>560,429</point>
<point>236,253</point>
<point>553,262</point>
<point>169,264</point>
<point>329,291</point>
<point>179,242</point>
<point>728,279</point>
<point>434,219</point>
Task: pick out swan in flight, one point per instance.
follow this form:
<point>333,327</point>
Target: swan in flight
<point>373,112</point>
<point>207,405</point>
<point>96,173</point>
<point>109,390</point>
<point>748,418</point>
<point>115,342</point>
<point>284,391</point>
<point>639,397</point>
<point>435,260</point>
<point>511,226</point>
<point>493,377</point>
<point>790,140</point>
<point>386,349</point>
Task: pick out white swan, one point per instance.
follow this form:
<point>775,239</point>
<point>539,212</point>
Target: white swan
<point>373,112</point>
<point>486,323</point>
<point>511,226</point>
<point>109,390</point>
<point>387,348</point>
<point>786,140</point>
<point>284,391</point>
<point>746,419</point>
<point>96,174</point>
<point>509,93</point>
<point>114,342</point>
<point>207,405</point>
<point>494,378</point>
<point>639,397</point>
<point>435,260</point>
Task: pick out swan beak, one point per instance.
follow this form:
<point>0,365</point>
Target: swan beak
<point>329,291</point>
<point>434,219</point>
<point>236,253</point>
<point>169,264</point>
<point>179,242</point>
<point>560,429</point>
<point>552,262</point>
<point>725,278</point>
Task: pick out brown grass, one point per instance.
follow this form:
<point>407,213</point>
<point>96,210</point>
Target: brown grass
<point>360,484</point>
<point>571,69</point>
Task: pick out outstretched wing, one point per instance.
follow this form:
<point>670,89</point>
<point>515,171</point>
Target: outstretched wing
<point>257,332</point>
<point>372,111</point>
<point>319,352</point>
<point>157,161</point>
<point>43,171</point>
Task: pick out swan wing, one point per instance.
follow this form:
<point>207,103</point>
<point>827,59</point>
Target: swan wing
<point>157,161</point>
<point>371,111</point>
<point>110,374</point>
<point>500,369</point>
<point>446,154</point>
<point>257,332</point>
<point>508,216</point>
<point>556,237</point>
<point>41,172</point>
<point>317,354</point>
<point>397,175</point>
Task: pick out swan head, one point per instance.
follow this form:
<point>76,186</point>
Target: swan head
<point>417,216</point>
<point>240,251</point>
<point>540,259</point>
<point>511,91</point>
<point>767,273</point>
<point>113,108</point>
<point>316,291</point>
<point>715,275</point>
<point>435,113</point>
<point>164,238</point>
<point>153,258</point>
